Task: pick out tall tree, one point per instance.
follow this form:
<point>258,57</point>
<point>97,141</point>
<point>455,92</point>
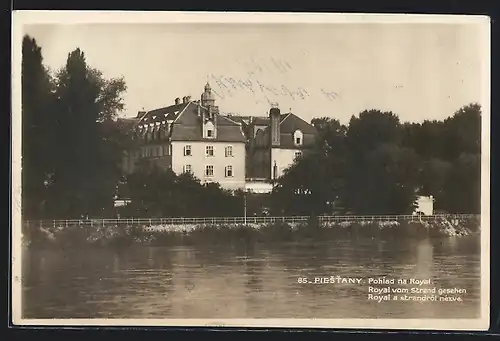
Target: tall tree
<point>433,177</point>
<point>428,139</point>
<point>450,153</point>
<point>371,129</point>
<point>87,149</point>
<point>330,132</point>
<point>37,129</point>
<point>312,185</point>
<point>462,132</point>
<point>388,182</point>
<point>381,174</point>
<point>463,186</point>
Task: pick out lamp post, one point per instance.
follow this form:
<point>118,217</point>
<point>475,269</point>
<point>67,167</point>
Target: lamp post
<point>245,207</point>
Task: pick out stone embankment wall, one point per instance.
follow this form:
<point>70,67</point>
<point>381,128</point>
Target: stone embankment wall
<point>119,233</point>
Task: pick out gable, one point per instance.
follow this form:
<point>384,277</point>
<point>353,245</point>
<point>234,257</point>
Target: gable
<point>288,126</point>
<point>188,127</point>
<point>292,122</point>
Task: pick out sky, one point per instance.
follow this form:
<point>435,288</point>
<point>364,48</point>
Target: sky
<point>418,71</point>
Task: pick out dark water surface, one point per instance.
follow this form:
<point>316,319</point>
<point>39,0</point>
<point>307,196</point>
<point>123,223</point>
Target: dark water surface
<point>249,281</point>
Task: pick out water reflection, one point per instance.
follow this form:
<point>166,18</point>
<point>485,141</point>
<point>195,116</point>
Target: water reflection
<point>247,281</point>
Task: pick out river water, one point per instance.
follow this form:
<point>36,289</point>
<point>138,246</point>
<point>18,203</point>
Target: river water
<point>252,281</point>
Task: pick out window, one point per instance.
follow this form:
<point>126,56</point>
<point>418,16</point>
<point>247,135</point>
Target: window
<point>165,150</point>
<point>186,169</point>
<point>153,151</point>
<point>298,137</point>
<point>208,130</point>
<point>209,171</point>
<point>187,150</point>
<point>229,171</point>
<point>229,151</point>
<point>209,150</point>
<point>298,154</point>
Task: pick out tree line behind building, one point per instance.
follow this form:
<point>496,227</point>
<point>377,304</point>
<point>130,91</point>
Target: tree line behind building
<point>376,164</point>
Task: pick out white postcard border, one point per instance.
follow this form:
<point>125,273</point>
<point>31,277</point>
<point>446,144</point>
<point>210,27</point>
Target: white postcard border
<point>21,18</point>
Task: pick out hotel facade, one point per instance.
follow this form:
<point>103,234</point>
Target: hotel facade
<point>193,136</point>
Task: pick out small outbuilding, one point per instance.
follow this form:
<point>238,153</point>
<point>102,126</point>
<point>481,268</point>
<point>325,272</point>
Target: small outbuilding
<point>424,205</point>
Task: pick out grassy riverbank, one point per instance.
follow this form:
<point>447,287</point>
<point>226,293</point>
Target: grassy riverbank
<point>188,234</point>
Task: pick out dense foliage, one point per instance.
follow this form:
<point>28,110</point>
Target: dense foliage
<point>378,165</point>
<point>161,193</point>
<point>73,146</point>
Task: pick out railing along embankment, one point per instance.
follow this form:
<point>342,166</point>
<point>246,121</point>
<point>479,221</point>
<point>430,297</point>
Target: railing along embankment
<point>144,222</point>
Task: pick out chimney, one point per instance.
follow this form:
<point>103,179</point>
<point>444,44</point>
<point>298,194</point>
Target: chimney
<point>203,114</point>
<point>177,101</point>
<point>274,117</point>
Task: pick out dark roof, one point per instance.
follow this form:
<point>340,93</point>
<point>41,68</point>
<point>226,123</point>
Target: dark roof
<point>164,114</point>
<point>128,120</point>
<point>245,120</point>
<point>186,123</point>
<point>227,121</point>
<point>286,141</point>
<point>291,122</point>
<point>230,128</point>
<point>260,121</point>
<point>264,120</point>
<point>187,127</point>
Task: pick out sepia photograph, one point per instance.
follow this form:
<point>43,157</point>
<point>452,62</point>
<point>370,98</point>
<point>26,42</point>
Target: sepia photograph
<point>250,170</point>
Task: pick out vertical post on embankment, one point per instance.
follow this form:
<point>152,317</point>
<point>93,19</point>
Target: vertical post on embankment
<point>245,208</point>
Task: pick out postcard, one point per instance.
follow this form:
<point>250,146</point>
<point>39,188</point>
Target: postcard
<point>250,170</point>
